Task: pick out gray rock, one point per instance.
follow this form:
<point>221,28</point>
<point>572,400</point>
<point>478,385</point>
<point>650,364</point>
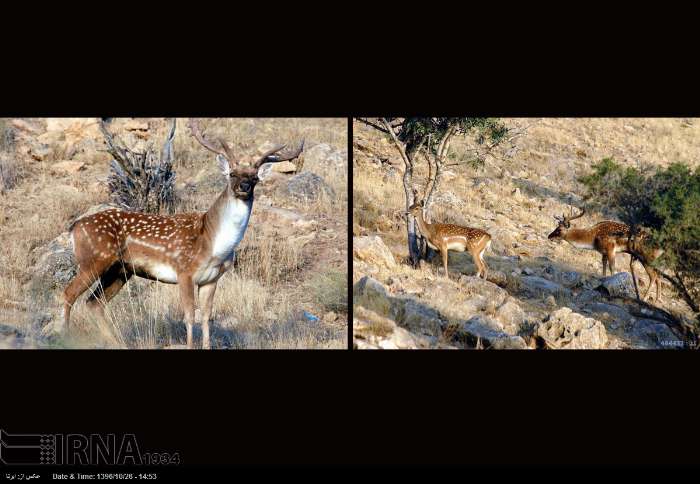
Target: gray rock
<point>535,286</point>
<point>565,329</point>
<point>307,186</point>
<point>609,312</point>
<point>511,316</point>
<point>325,160</point>
<point>490,333</point>
<point>649,333</point>
<point>618,285</point>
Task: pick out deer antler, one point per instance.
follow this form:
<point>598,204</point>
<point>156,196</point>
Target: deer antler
<point>224,150</point>
<point>271,156</point>
<point>572,217</point>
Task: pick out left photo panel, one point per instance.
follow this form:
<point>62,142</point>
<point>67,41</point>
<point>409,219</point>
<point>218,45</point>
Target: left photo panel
<point>174,233</point>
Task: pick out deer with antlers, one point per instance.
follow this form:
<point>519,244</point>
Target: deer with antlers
<point>610,238</point>
<point>192,250</point>
<point>446,237</point>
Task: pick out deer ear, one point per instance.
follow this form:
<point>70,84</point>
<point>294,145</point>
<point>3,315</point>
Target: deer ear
<point>223,165</point>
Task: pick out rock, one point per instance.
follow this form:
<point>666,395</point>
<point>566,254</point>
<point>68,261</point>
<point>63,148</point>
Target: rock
<point>61,124</point>
<point>511,316</point>
<point>618,285</point>
<point>535,286</point>
<point>649,333</point>
<point>566,329</point>
<point>39,151</point>
<point>284,167</point>
<point>373,331</point>
<point>307,186</point>
<point>301,240</point>
<point>325,160</point>
<point>372,250</point>
<point>498,277</point>
<point>405,311</point>
<point>609,312</point>
<point>22,125</point>
<point>527,271</point>
<point>490,334</point>
<point>50,137</point>
<point>68,166</point>
<point>135,125</point>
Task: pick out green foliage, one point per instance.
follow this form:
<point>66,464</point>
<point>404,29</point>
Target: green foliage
<point>427,132</point>
<point>665,201</point>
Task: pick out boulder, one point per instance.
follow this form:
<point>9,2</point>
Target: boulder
<point>325,160</point>
<point>565,329</point>
<point>307,186</point>
<point>69,167</point>
<point>650,333</point>
<point>535,286</point>
<point>618,285</point>
<point>372,250</point>
<point>284,167</point>
<point>511,316</point>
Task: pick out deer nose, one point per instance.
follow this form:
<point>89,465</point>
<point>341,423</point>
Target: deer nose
<point>245,186</point>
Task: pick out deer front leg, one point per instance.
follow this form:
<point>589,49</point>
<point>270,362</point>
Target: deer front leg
<point>611,260</point>
<point>206,300</point>
<point>605,262</point>
<point>187,298</point>
<point>443,252</point>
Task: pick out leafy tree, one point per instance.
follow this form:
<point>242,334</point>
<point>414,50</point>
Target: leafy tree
<point>664,201</point>
<point>432,137</point>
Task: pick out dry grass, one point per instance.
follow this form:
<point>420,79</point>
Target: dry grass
<point>258,304</point>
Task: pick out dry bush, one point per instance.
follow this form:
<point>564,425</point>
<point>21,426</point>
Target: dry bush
<point>330,290</point>
<point>10,172</point>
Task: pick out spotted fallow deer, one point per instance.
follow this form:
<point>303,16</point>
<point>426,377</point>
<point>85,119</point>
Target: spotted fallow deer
<point>610,238</point>
<point>446,237</point>
<point>192,250</point>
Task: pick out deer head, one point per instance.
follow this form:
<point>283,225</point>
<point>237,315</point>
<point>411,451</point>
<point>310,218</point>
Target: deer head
<point>564,224</point>
<point>241,178</point>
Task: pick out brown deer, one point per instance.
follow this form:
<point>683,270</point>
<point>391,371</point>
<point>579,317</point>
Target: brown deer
<point>192,250</point>
<point>446,237</point>
<point>610,238</point>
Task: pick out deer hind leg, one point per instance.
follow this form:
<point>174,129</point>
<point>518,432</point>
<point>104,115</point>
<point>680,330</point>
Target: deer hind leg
<point>206,300</point>
<point>187,297</point>
<point>86,276</point>
<point>109,284</point>
<point>611,259</point>
<point>484,267</point>
<point>653,278</point>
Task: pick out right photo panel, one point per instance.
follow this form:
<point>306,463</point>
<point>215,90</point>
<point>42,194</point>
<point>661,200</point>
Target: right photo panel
<point>526,233</point>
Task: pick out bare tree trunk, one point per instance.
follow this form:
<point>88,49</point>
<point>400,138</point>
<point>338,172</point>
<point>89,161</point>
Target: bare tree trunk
<point>411,232</point>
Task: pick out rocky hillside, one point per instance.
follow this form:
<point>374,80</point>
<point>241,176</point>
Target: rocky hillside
<point>539,293</point>
<point>287,290</point>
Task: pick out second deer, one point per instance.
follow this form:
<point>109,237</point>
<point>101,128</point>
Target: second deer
<point>446,237</point>
<point>610,238</point>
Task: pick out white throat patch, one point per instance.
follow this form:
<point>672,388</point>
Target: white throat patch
<point>232,226</point>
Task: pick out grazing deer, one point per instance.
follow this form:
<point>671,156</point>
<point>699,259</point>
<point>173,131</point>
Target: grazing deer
<point>610,238</point>
<point>446,237</point>
<point>192,250</point>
